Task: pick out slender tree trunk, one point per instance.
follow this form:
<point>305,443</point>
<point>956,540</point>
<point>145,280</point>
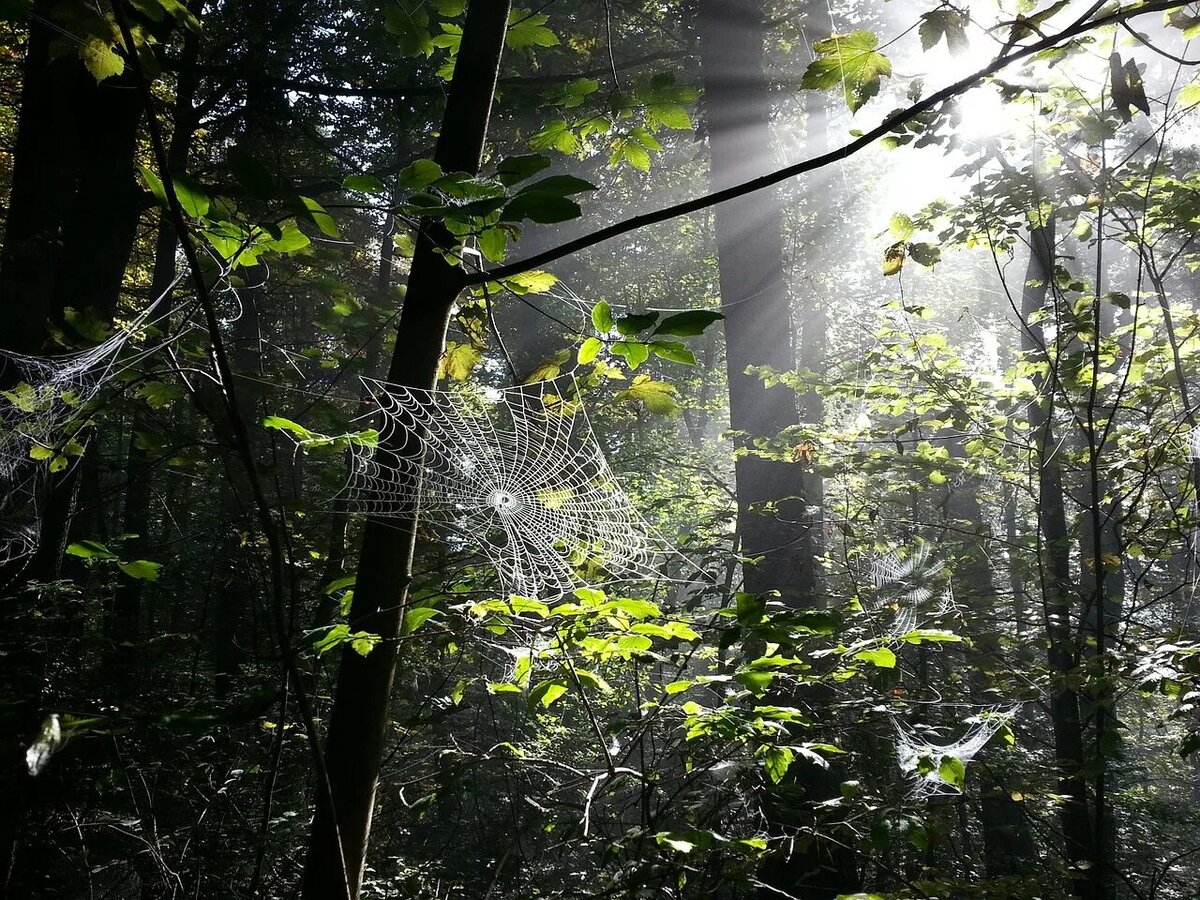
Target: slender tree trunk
<point>358,722</point>
<point>754,297</point>
<point>1055,568</point>
<point>1008,845</point>
<point>124,624</point>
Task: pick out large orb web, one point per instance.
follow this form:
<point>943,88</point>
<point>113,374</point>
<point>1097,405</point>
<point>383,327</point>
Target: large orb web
<point>519,473</point>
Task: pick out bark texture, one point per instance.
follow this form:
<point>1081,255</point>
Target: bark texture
<point>358,723</point>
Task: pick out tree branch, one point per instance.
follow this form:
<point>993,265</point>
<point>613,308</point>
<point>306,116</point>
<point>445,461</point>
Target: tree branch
<point>617,229</point>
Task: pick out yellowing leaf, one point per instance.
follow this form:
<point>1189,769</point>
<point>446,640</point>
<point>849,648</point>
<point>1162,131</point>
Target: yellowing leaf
<point>1189,95</point>
<point>458,361</point>
<point>657,397</point>
<point>100,58</point>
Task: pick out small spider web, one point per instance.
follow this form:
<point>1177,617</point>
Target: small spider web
<point>518,472</point>
<point>914,743</point>
<point>43,409</point>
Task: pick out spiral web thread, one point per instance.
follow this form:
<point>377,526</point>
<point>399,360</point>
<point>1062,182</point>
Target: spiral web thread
<point>913,745</point>
<point>517,471</point>
<point>43,410</point>
<point>906,583</point>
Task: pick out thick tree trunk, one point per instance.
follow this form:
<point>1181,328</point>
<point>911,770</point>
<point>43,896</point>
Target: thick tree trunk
<point>754,298</point>
<point>774,526</point>
<point>1055,569</point>
<point>358,722</point>
<point>72,217</point>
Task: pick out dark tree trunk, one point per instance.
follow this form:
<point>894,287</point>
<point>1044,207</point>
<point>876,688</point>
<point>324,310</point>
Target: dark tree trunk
<point>754,298</point>
<point>358,721</point>
<point>124,624</point>
<point>1055,569</point>
<point>71,221</point>
<point>774,526</point>
<point>1008,846</point>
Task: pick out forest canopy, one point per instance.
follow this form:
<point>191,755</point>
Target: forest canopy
<point>607,449</point>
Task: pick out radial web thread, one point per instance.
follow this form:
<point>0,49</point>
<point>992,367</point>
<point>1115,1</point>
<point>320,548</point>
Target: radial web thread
<point>520,473</point>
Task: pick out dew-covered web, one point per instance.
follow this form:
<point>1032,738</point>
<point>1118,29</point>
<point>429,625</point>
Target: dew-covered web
<point>43,411</point>
<point>518,472</point>
<point>929,743</point>
<point>906,583</point>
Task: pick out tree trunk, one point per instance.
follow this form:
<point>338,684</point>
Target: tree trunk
<point>123,626</point>
<point>754,298</point>
<point>1055,570</point>
<point>72,217</point>
<point>358,720</point>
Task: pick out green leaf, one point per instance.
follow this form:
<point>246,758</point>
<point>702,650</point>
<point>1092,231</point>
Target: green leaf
<point>589,350</point>
<point>848,62</point>
<point>776,762</point>
<point>561,185</point>
<point>339,584</point>
<point>1189,95</point>
<point>90,550</point>
<point>158,394</point>
<point>952,771</point>
<point>535,282</point>
<point>688,324</point>
<point>290,239</point>
<point>546,692</point>
<point>668,115</point>
<point>154,185</point>
<point>602,317</point>
<point>320,217</point>
<point>420,174</point>
<point>366,184</point>
<point>944,23</point>
<point>279,423</point>
<point>409,24</point>
<point>557,136</point>
<point>925,254</point>
<point>191,196</point>
<point>673,351</point>
<point>893,259</point>
<point>542,208</point>
<point>880,657</point>
<point>633,352</point>
<point>140,569</point>
<point>901,227</point>
<point>493,244</point>
<point>502,687</point>
<point>627,326</point>
<point>459,361</point>
<point>405,245</point>
<point>679,845</point>
<point>100,58</point>
<point>526,29</point>
<point>657,397</point>
<point>416,617</point>
<point>515,169</point>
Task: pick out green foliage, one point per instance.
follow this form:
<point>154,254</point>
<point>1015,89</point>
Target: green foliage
<point>850,63</point>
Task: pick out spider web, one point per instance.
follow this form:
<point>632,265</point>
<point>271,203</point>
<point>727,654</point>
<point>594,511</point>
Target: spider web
<point>906,583</point>
<point>518,472</point>
<point>913,745</point>
<point>43,412</point>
